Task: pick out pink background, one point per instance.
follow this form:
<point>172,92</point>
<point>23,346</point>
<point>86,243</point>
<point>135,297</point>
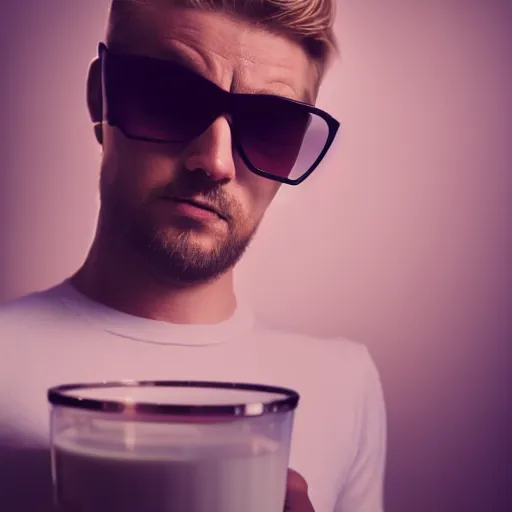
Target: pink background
<point>402,241</point>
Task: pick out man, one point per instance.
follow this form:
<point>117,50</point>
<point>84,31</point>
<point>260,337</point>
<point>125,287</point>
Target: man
<point>202,111</point>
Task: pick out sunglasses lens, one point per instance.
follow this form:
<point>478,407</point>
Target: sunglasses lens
<point>157,100</point>
<point>279,137</point>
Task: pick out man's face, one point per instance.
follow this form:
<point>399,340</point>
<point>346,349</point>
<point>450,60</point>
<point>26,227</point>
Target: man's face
<point>142,182</point>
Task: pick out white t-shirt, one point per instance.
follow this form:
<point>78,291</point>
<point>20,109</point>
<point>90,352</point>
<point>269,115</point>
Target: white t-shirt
<point>60,336</point>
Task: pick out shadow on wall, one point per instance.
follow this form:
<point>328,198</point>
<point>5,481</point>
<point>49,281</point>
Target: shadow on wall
<point>48,157</point>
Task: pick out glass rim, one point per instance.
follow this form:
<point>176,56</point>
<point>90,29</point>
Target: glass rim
<point>57,396</point>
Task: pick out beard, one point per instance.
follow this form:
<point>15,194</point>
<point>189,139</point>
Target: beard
<point>175,252</point>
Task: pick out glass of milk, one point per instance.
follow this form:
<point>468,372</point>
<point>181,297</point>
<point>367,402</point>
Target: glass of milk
<point>170,446</point>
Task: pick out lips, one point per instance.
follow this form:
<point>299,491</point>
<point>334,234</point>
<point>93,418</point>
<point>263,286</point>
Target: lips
<point>199,204</point>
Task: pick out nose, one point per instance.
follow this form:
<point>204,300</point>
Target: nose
<point>212,153</point>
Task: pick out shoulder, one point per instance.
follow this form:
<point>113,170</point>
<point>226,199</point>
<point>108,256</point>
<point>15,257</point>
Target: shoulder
<point>334,352</point>
<point>26,320</point>
<point>320,366</point>
<point>37,304</point>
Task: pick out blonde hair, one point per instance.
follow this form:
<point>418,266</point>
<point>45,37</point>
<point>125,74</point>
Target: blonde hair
<point>310,22</point>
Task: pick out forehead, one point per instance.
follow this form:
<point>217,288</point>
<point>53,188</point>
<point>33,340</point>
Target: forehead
<point>234,53</point>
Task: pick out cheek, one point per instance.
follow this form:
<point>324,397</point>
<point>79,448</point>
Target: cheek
<point>134,164</point>
<point>258,192</point>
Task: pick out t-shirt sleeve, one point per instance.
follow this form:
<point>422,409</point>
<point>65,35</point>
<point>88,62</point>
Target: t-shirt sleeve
<point>363,488</point>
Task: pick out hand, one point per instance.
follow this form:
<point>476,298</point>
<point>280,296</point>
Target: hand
<point>297,499</point>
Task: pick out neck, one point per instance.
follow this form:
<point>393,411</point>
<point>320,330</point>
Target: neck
<point>123,285</point>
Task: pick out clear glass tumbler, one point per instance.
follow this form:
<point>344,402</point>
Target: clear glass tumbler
<point>170,446</point>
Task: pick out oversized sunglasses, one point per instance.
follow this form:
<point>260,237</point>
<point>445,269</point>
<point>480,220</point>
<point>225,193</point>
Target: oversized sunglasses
<point>161,101</point>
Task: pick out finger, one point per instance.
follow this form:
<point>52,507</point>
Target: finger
<point>297,499</point>
<point>296,482</point>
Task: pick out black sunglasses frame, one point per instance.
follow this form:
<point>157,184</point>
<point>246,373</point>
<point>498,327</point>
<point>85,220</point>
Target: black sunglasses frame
<point>332,124</point>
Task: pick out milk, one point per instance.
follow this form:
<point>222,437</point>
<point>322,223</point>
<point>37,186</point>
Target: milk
<point>246,475</point>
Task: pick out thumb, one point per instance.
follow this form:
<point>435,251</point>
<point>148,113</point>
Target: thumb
<point>297,499</point>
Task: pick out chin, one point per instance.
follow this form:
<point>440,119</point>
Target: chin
<point>194,240</point>
<point>189,255</point>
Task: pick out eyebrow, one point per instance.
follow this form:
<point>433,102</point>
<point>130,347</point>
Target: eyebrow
<point>170,52</point>
<point>304,96</point>
<point>179,57</point>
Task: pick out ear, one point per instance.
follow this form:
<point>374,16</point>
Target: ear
<point>95,98</point>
